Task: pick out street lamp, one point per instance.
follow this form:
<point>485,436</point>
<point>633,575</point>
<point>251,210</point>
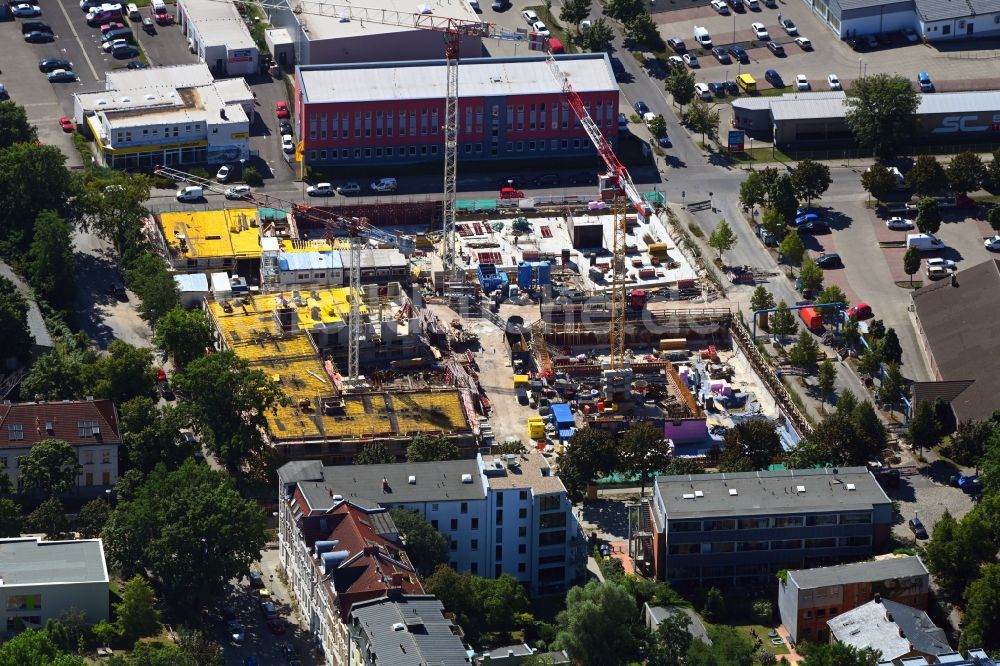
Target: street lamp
<point>859,68</point>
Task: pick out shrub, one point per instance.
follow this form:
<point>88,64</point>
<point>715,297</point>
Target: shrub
<point>252,176</point>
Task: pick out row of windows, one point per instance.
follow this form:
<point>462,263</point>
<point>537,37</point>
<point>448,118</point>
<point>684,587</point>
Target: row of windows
<point>174,131</point>
<point>423,151</point>
<point>726,524</point>
<point>88,459</point>
<point>782,544</point>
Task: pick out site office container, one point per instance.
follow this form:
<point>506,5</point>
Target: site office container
<point>811,318</point>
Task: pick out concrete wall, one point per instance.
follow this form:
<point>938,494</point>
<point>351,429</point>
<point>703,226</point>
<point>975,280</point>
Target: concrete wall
<point>983,25</point>
<point>91,598</point>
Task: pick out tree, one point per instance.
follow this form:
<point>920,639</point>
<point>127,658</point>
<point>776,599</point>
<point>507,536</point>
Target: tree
<point>876,330</point>
<point>154,654</point>
<point>599,37</point>
<point>11,522</point>
<point>851,332</point>
<point>152,436</point>
<point>149,279</point>
<point>811,180</point>
<point>982,611</point>
<point>928,216</point>
<point>774,223</point>
<point>14,125</point>
<point>882,112</point>
<point>50,518</point>
<point>870,436</point>
<point>911,262</point>
<point>113,208</point>
<point>889,349</point>
<point>574,12</point>
<point>825,379</point>
<point>954,554</point>
<point>657,126</point>
<point>753,190</point>
<point>230,400</point>
<point>927,176</point>
<point>878,182</point>
<point>51,266</point>
<point>805,353</point>
<point>36,648</point>
<point>783,321</point>
<point>993,170</point>
<point>923,428</point>
<point>51,466</point>
<point>69,629</point>
<point>792,248</point>
<point>126,372</point>
<point>641,29</point>
<point>761,299</point>
<point>968,442</point>
<point>136,613</point>
<point>781,196</point>
<point>810,275</point>
<point>596,627</point>
<point>184,335</point>
<point>590,454</point>
<point>680,85</point>
<point>37,180</point>
<point>994,217</point>
<point>481,604</point>
<point>200,648</point>
<point>966,173</point>
<point>702,118</point>
<point>105,632</point>
<point>374,453</point>
<point>623,10</point>
<point>672,640</point>
<point>190,528</point>
<point>92,517</point>
<point>14,321</point>
<point>722,239</point>
<point>832,294</point>
<point>750,446</point>
<point>714,608</point>
<point>431,448</point>
<point>59,373</point>
<point>839,654</point>
<point>644,452</point>
<point>426,547</point>
<point>892,384</point>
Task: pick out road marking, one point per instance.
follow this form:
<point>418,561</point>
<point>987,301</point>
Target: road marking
<point>72,29</point>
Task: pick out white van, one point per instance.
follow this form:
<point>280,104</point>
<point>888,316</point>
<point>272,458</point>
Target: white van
<point>702,37</point>
<point>191,193</point>
<point>133,12</point>
<point>753,4</point>
<point>384,185</point>
<point>924,242</point>
<point>900,180</point>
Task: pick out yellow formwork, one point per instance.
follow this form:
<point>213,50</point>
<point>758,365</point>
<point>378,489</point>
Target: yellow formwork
<point>431,411</point>
<point>210,234</point>
<point>253,318</point>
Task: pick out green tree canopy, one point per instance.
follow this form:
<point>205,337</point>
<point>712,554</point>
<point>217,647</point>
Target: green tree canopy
<point>51,264</point>
<point>878,181</point>
<point>374,453</point>
<point>481,604</point>
<point>60,373</point>
<point>189,528</point>
<point>783,321</point>
<point>722,238</point>
<point>14,125</point>
<point>966,172</point>
<point>750,446</point>
<point>703,119</point>
<point>14,322</point>
<point>928,215</point>
<point>126,372</point>
<point>792,249</point>
<point>882,112</point>
<point>729,648</point>
<point>136,614</point>
<point>761,299</point>
<point>839,654</point>
<point>811,180</point>
<point>644,452</point>
<point>982,611</point>
<point>911,262</point>
<point>152,435</point>
<point>113,207</point>
<point>993,217</point>
<point>623,10</point>
<point>184,335</point>
<point>680,85</point>
<point>968,442</point>
<point>42,183</point>
<point>51,466</point>
<point>781,196</point>
<point>825,378</point>
<point>432,448</point>
<point>810,275</point>
<point>11,520</point>
<point>753,189</point>
<point>922,432</point>
<point>597,627</point>
<point>426,547</point>
<point>149,279</point>
<point>805,353</point>
<point>50,517</point>
<point>927,176</point>
<point>599,37</point>
<point>92,517</point>
<point>643,30</point>
<point>889,349</point>
<point>574,12</point>
<point>36,648</point>
<point>590,454</point>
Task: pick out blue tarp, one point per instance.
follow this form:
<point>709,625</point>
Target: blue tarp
<point>562,417</point>
<point>567,433</point>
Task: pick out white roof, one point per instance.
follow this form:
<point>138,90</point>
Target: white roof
<point>323,21</point>
<point>176,76</point>
<point>163,103</point>
<point>234,91</point>
<point>477,77</point>
<point>221,283</point>
<point>219,22</point>
<point>192,282</point>
<point>753,103</point>
<point>960,102</point>
<point>307,261</point>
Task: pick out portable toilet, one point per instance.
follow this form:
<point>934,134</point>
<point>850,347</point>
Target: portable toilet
<point>544,274</point>
<point>524,275</point>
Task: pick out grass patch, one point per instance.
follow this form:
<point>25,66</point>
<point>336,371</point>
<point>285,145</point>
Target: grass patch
<point>906,284</point>
<point>763,154</point>
<point>696,230</point>
<point>762,632</point>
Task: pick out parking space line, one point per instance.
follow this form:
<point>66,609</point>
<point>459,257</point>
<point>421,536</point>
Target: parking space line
<point>83,49</point>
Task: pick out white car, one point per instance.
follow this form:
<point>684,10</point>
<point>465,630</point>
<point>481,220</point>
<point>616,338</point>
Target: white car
<point>834,82</point>
<point>675,61</point>
<point>349,188</point>
<point>946,264</point>
<point>804,43</point>
<point>540,28</point>
<point>898,224</point>
<point>27,10</point>
<point>703,91</point>
<point>530,16</point>
<point>801,82</point>
<point>287,143</point>
<point>109,46</point>
<point>691,60</point>
<point>911,35</point>
<point>223,174</point>
<point>992,243</point>
<point>320,190</point>
<point>238,192</point>
<point>760,31</point>
<point>721,7</point>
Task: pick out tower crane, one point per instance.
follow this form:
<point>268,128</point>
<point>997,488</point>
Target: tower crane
<point>358,230</point>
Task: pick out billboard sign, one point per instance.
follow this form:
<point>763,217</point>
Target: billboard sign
<point>736,140</point>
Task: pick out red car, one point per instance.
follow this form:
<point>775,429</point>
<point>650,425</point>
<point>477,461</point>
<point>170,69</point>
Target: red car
<point>281,109</point>
<point>276,626</point>
<point>511,193</point>
<point>860,311</point>
<point>66,124</point>
<point>108,27</point>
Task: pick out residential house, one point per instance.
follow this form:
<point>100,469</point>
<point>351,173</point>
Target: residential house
<point>807,598</point>
<point>408,631</point>
<point>896,630</point>
<point>975,657</point>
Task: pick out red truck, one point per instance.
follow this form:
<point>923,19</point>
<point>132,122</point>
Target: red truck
<point>811,318</point>
<point>511,193</point>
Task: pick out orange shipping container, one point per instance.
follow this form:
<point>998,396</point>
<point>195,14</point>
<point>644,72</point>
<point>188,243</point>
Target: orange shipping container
<point>811,318</point>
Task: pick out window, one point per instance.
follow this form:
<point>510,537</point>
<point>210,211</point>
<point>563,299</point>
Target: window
<point>946,30</point>
<point>549,503</point>
<point>720,525</point>
<point>552,538</point>
<point>87,428</point>
<point>88,457</point>
<point>552,520</point>
<point>722,547</point>
<point>434,524</point>
<point>522,531</point>
<point>106,457</point>
<point>855,518</point>
<point>754,523</point>
<point>523,495</point>
<point>454,546</point>
<point>820,612</point>
<point>15,432</point>
<point>499,552</point>
<point>322,154</point>
<point>830,542</point>
<point>821,519</point>
<point>520,567</point>
<point>454,524</point>
<point>497,571</point>
<point>787,544</point>
<point>522,548</point>
<point>752,545</point>
<point>499,534</point>
<point>474,568</point>
<point>499,520</point>
<point>24,602</point>
<point>474,544</point>
<point>464,507</point>
<point>788,521</point>
<point>499,499</point>
<point>522,513</point>
<point>856,541</point>
<point>88,479</point>
<point>685,526</point>
<point>475,523</point>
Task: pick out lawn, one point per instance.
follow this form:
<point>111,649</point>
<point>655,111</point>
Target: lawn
<point>762,632</point>
<point>762,154</point>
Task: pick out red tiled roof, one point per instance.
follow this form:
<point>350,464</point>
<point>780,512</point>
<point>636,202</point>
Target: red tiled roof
<point>67,420</point>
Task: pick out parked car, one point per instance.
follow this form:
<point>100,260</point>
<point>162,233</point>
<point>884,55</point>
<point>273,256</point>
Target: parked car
<point>739,53</point>
<point>236,631</point>
<point>540,28</point>
<point>287,144</point>
<point>108,27</point>
<point>66,124</point>
<point>530,16</point>
<point>814,227</point>
<point>925,83</point>
<point>223,174</point>
<point>112,43</point>
<point>641,108</point>
<point>47,65</point>
<point>691,60</point>
<point>284,126</point>
<point>117,289</point>
<point>677,44</point>
<point>718,89</point>
<point>721,7</point>
<point>623,121</point>
<point>675,62</point>
<point>384,185</point>
<point>776,48</point>
<point>910,35</point>
<point>937,272</point>
<point>993,243</point>
<point>946,264</point>
<point>917,528</point>
<point>834,82</point>
<point>860,311</point>
<point>702,91</point>
<point>32,26</point>
<point>805,216</point>
<point>804,43</point>
<point>732,88</point>
<point>136,64</point>
<point>276,626</point>
<point>237,192</point>
<point>124,51</point>
<point>801,82</point>
<point>36,37</point>
<point>760,31</point>
<point>789,27</point>
<point>25,10</point>
<point>148,26</point>
<point>320,190</point>
<point>281,110</point>
<point>349,188</point>
<point>62,76</point>
<point>722,55</point>
<point>898,224</point>
<point>829,260</point>
<point>256,580</point>
<point>268,609</point>
<point>772,77</point>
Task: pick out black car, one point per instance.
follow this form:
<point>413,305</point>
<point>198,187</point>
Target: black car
<point>677,44</point>
<point>35,26</point>
<point>917,528</point>
<point>721,55</point>
<point>548,180</point>
<point>284,127</point>
<point>47,65</point>
<point>814,227</point>
<point>776,48</point>
<point>148,26</point>
<point>124,52</point>
<point>829,260</point>
<point>37,37</point>
<point>732,88</point>
<point>641,108</point>
<point>117,289</point>
<point>136,64</point>
<point>718,89</point>
<point>664,141</point>
<point>739,53</point>
<point>772,77</point>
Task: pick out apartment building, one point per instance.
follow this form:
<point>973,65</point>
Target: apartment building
<point>807,598</point>
<point>41,579</point>
<point>409,631</point>
<point>507,514</point>
<point>90,426</point>
<point>742,528</point>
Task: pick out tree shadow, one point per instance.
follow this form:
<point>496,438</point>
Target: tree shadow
<point>941,471</point>
<point>95,271</point>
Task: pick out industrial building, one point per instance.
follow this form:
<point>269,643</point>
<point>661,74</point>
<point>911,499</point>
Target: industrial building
<point>171,116</point>
<point>42,579</point>
<point>316,33</point>
<point>742,528</point>
<point>393,112</point>
<point>807,598</point>
<point>806,119</point>
<point>500,514</point>
<point>218,34</point>
<point>934,20</point>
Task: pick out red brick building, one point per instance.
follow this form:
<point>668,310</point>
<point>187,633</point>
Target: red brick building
<point>393,112</point>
